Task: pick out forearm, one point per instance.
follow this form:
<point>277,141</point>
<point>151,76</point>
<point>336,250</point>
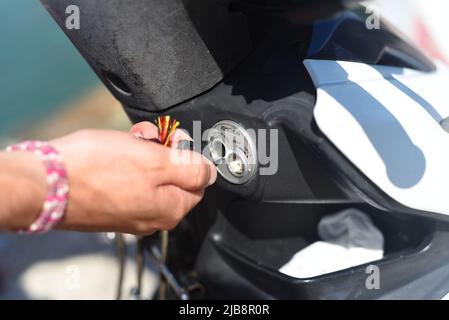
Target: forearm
<point>22,190</point>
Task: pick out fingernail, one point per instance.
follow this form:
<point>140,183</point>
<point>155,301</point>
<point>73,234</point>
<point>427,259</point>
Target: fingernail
<point>185,145</point>
<point>213,174</point>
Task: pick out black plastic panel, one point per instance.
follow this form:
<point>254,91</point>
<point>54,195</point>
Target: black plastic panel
<point>300,11</point>
<point>347,37</point>
<point>155,54</point>
<point>254,252</point>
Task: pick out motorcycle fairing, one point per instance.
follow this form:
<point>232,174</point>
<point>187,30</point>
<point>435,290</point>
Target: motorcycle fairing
<point>269,89</point>
<point>386,122</point>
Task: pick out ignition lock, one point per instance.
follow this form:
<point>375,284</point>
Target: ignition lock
<point>233,150</point>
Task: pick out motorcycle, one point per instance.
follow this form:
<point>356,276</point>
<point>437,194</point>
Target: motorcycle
<point>361,122</point>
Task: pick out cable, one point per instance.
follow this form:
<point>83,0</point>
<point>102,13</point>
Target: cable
<point>163,261</point>
<point>121,257</point>
<point>140,261</point>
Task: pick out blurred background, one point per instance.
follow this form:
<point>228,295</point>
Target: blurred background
<point>47,90</point>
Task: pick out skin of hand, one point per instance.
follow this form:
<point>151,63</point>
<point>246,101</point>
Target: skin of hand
<point>122,183</point>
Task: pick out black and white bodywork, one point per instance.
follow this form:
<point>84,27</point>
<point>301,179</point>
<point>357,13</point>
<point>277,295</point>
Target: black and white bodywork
<point>361,116</point>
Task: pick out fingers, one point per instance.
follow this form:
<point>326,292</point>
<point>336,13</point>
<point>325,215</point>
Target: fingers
<point>145,130</point>
<point>148,131</point>
<point>176,202</point>
<point>189,171</point>
<point>178,136</point>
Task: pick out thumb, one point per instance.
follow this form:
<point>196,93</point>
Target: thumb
<point>191,171</point>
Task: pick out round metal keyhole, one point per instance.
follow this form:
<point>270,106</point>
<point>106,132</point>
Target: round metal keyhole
<point>217,150</point>
<point>233,151</point>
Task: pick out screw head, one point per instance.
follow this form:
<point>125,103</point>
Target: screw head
<point>236,165</point>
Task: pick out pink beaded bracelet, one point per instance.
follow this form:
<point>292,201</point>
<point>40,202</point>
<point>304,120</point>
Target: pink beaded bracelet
<point>58,184</point>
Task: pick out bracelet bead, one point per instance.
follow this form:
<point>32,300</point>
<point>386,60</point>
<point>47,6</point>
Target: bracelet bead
<point>58,185</point>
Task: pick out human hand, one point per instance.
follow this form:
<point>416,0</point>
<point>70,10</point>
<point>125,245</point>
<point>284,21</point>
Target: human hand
<point>124,184</point>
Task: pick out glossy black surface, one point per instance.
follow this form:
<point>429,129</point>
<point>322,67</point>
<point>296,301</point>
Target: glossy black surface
<point>239,236</point>
<point>347,37</point>
<point>252,254</point>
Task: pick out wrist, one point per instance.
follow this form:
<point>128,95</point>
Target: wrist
<point>86,191</point>
<point>55,202</point>
<point>76,214</point>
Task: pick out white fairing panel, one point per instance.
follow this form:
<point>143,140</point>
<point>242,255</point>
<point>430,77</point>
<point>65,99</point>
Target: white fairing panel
<point>386,121</point>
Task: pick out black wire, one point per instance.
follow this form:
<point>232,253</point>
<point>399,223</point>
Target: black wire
<point>121,257</point>
<point>140,261</point>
